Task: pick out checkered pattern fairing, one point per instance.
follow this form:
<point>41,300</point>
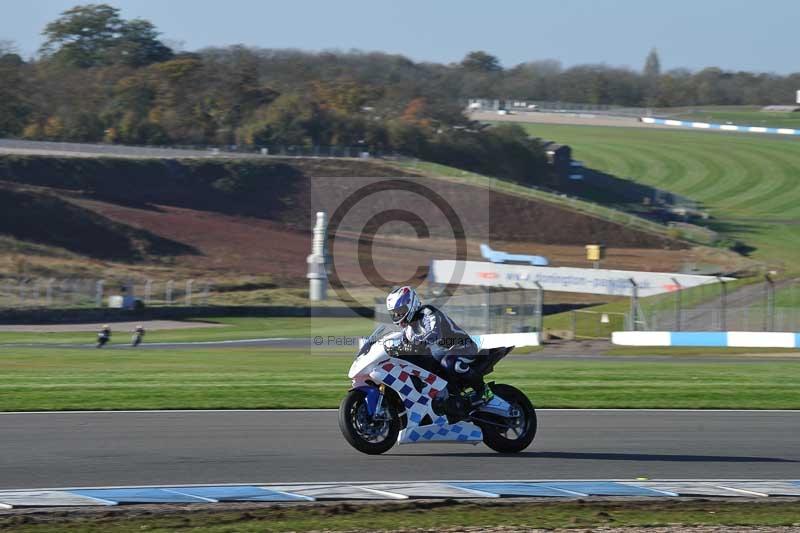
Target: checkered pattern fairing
<point>417,388</point>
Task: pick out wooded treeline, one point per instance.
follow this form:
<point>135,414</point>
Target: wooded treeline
<point>101,78</point>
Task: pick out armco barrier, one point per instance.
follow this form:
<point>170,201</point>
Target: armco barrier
<point>731,339</point>
<point>721,127</point>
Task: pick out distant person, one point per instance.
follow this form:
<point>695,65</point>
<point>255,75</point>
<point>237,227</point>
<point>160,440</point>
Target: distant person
<point>104,336</point>
<point>138,335</point>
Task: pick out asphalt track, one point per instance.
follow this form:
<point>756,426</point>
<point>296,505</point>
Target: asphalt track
<point>42,450</point>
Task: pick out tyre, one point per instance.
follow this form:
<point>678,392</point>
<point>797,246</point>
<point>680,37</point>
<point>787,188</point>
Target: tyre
<point>521,429</point>
<point>366,433</point>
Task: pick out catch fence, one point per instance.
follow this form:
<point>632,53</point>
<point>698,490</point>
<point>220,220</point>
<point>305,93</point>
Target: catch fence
<point>512,311</point>
<point>94,293</point>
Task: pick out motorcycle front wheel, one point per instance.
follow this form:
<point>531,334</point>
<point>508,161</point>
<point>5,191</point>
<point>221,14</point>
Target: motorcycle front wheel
<point>370,434</point>
<point>510,435</point>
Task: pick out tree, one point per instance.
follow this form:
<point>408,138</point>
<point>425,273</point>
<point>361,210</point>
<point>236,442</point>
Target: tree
<point>14,105</point>
<point>138,45</point>
<point>95,35</point>
<point>480,61</point>
<point>652,74</point>
<point>652,65</point>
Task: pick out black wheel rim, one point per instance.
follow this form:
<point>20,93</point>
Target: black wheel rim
<point>368,427</point>
<point>517,427</point>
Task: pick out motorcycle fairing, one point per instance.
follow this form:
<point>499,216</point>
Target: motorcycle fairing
<point>417,396</point>
<point>372,395</point>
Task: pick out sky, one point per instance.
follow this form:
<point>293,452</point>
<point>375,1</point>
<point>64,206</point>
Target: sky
<point>731,34</point>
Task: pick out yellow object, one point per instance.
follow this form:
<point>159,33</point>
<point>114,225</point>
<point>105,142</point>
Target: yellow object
<point>595,252</point>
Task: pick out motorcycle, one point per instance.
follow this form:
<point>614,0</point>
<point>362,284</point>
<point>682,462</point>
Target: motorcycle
<point>102,339</point>
<point>398,397</point>
<point>136,340</point>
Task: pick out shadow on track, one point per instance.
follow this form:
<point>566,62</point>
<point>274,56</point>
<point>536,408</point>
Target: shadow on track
<point>609,457</point>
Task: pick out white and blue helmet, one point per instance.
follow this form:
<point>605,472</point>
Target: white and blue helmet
<point>402,303</point>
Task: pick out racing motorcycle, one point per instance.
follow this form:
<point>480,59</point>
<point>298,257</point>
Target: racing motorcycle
<point>399,397</point>
<point>137,337</point>
<point>102,339</point>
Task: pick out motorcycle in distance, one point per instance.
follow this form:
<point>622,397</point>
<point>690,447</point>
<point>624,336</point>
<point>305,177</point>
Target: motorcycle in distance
<point>138,335</point>
<point>399,397</point>
<point>103,337</point>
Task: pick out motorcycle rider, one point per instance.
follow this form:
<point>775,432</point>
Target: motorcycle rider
<point>138,335</point>
<point>426,327</point>
<point>104,335</point>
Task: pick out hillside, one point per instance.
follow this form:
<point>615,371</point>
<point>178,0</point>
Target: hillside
<point>750,184</point>
<point>246,223</point>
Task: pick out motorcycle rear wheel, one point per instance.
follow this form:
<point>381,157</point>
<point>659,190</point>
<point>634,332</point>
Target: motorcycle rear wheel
<point>362,431</point>
<point>522,429</point>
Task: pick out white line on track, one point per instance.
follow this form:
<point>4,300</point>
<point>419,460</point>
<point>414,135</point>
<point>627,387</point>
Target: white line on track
<point>382,482</point>
<point>146,411</point>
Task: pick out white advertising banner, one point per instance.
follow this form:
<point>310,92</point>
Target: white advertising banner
<point>563,279</point>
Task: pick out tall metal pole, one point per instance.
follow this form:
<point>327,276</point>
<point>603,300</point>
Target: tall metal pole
<point>634,305</point>
<point>723,302</point>
<point>769,320</point>
<point>539,309</point>
<point>98,293</point>
<point>678,304</point>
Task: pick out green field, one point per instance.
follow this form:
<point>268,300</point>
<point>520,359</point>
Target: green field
<point>749,183</point>
<point>205,378</point>
<point>449,515</point>
<point>225,329</point>
<point>739,115</point>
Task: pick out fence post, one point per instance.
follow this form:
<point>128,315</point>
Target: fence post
<point>168,292</point>
<point>148,291</point>
<point>634,304</point>
<point>769,319</point>
<point>678,304</point>
<point>206,290</point>
<point>48,298</point>
<point>539,309</point>
<point>723,301</point>
<point>36,293</point>
<point>487,312</point>
<point>98,292</point>
<point>189,284</point>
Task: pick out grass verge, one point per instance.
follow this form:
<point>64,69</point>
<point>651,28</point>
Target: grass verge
<point>85,379</point>
<point>747,182</point>
<point>445,515</point>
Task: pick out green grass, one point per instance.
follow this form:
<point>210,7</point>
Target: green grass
<point>232,329</point>
<point>76,379</point>
<point>417,516</point>
<point>750,183</point>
